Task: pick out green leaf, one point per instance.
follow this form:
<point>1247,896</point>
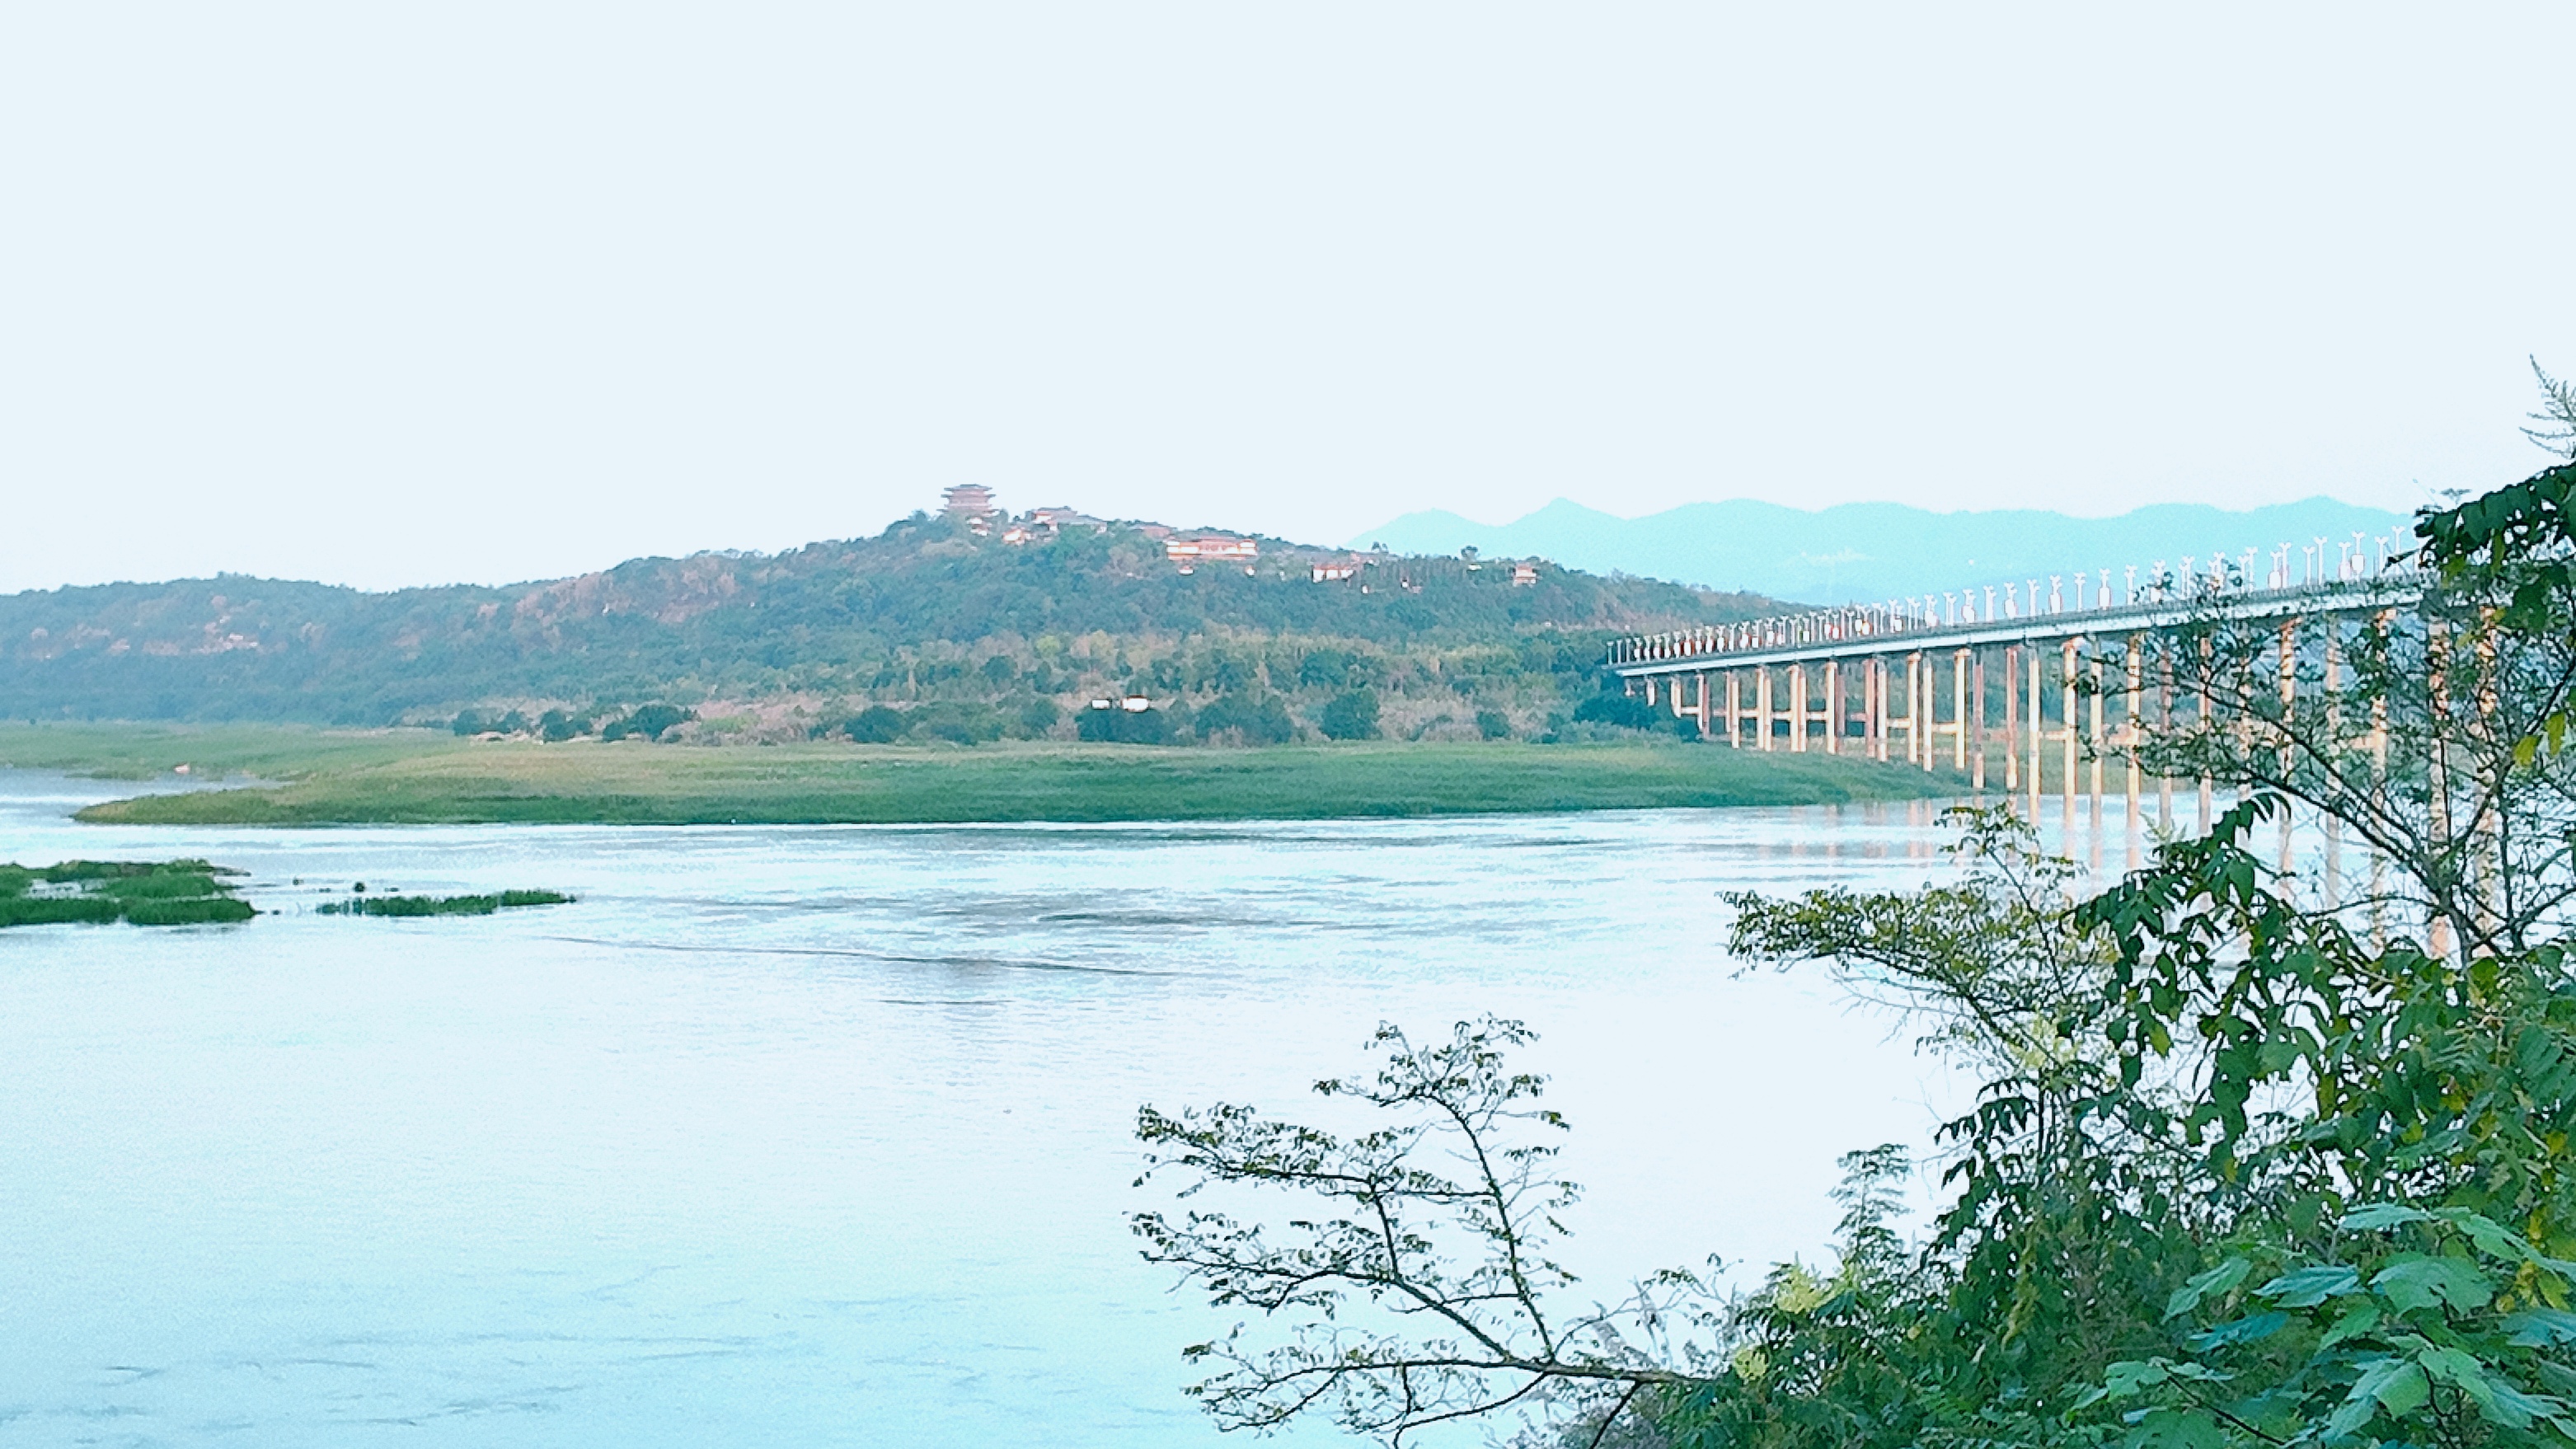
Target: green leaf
<point>2416,1281</point>
<point>2540,1327</point>
<point>2398,1385</point>
<point>2490,1236</point>
<point>2310,1286</point>
<point>2249,1329</point>
<point>2177,1429</point>
<point>2348,1419</point>
<point>2123,1379</point>
<point>2357,1319</point>
<point>2218,1280</point>
<point>2380,1215</point>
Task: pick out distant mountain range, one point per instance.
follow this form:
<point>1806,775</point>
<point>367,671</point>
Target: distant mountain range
<point>1863,551</point>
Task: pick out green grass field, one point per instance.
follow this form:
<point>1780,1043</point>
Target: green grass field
<point>416,777</point>
<point>264,752</point>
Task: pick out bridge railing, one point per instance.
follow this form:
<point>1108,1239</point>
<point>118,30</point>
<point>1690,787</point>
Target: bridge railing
<point>1896,618</point>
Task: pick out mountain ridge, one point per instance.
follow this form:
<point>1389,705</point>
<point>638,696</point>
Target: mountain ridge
<point>1852,552</point>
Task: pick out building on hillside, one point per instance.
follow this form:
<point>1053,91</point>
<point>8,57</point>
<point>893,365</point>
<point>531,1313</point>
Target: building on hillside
<point>1211,548</point>
<point>1524,574</point>
<point>1056,520</point>
<point>1333,570</point>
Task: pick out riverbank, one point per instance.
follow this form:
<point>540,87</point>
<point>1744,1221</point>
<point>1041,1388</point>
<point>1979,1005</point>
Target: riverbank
<point>412,777</point>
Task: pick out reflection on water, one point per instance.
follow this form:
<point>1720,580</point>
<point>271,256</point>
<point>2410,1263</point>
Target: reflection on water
<point>820,1135</point>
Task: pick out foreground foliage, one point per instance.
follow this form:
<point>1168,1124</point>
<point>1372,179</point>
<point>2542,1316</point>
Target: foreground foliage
<point>2257,1160</point>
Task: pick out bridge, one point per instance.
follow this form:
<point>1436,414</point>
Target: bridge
<point>1869,680</point>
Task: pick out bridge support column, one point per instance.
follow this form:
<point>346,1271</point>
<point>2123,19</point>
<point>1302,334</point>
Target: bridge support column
<point>1914,709</point>
<point>2289,693</point>
<point>1704,724</point>
<point>1762,703</point>
<point>1872,736</point>
<point>1734,714</point>
<point>1959,710</point>
<point>2012,720</point>
<point>2135,734</point>
<point>1797,709</point>
<point>2200,721</point>
<point>2098,741</point>
<point>1977,760</point>
<point>2164,721</point>
<point>1836,716</point>
<point>2038,710</point>
<point>2066,713</point>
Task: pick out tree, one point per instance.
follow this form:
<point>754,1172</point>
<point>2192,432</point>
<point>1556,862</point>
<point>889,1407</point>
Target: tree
<point>1351,715</point>
<point>2556,415</point>
<point>1442,1217</point>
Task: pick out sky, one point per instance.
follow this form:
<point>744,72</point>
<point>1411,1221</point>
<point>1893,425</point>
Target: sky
<point>387,295</point>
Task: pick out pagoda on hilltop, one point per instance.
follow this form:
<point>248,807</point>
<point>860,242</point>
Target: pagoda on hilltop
<point>967,500</point>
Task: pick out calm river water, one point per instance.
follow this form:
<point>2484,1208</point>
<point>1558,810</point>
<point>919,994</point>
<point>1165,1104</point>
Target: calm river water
<point>807,1136</point>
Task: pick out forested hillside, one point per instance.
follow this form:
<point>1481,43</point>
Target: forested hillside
<point>958,633</point>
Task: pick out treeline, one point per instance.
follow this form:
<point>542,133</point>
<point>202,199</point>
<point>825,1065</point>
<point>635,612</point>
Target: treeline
<point>2271,1146</point>
<point>960,633</point>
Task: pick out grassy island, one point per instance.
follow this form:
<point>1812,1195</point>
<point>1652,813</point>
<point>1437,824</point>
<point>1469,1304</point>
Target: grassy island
<point>142,893</point>
<point>508,782</point>
<point>358,905</point>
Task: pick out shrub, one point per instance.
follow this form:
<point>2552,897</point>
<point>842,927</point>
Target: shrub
<point>555,727</point>
<point>1493,724</point>
<point>1039,716</point>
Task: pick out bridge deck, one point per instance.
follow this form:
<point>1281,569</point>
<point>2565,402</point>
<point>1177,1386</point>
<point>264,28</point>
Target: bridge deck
<point>2380,591</point>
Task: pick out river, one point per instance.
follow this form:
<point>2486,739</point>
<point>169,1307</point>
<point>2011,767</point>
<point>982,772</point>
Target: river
<point>820,1136</point>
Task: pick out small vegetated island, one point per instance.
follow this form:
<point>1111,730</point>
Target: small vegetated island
<point>142,893</point>
<point>197,893</point>
<point>383,905</point>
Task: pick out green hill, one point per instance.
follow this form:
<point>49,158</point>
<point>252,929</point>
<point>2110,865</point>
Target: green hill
<point>943,631</point>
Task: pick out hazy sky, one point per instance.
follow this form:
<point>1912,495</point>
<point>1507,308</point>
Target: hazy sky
<point>398,294</point>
